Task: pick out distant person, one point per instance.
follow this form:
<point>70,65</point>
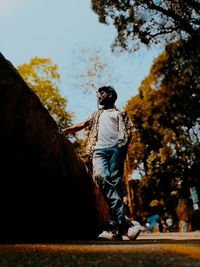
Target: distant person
<point>153,220</point>
<point>148,227</point>
<point>109,136</point>
<point>169,223</point>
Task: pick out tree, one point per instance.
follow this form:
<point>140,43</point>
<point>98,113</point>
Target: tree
<point>91,69</point>
<point>149,21</point>
<point>42,76</point>
<point>165,114</point>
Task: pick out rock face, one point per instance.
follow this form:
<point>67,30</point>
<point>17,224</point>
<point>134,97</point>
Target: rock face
<point>46,193</point>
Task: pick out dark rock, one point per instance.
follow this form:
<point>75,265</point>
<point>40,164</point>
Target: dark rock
<point>46,193</point>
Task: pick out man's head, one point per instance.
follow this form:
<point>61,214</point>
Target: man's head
<point>106,95</point>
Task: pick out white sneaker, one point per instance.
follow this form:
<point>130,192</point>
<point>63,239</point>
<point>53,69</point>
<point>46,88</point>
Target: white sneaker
<point>136,223</point>
<point>133,232</point>
<point>108,235</point>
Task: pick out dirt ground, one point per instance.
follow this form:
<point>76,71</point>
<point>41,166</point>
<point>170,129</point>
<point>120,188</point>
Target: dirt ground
<point>146,251</point>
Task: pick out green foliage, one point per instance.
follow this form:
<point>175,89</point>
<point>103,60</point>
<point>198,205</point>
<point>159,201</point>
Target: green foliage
<point>41,75</point>
<point>149,21</point>
<point>166,118</point>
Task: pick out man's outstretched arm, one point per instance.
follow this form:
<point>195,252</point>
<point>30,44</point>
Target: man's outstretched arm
<point>75,128</point>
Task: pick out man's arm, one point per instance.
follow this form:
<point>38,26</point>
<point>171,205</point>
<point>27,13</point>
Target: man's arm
<point>75,128</point>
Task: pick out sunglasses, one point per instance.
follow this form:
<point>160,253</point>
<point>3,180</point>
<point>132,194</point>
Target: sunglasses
<point>102,93</point>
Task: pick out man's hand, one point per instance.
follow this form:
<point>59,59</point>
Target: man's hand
<point>63,131</point>
<point>75,128</point>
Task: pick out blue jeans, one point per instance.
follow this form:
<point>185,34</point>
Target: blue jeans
<point>108,167</point>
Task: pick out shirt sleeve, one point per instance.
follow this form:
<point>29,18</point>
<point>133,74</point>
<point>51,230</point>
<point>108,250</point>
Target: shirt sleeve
<point>91,120</point>
<point>128,123</point>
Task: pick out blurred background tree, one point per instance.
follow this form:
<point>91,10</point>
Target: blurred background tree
<point>166,117</point>
<point>42,76</point>
<point>94,70</point>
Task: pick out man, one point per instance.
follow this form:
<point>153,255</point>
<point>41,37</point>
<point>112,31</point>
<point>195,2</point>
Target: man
<point>109,136</point>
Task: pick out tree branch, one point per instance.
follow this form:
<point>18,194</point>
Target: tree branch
<point>169,13</point>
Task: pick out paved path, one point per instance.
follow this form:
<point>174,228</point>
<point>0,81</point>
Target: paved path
<point>149,250</point>
<point>170,236</point>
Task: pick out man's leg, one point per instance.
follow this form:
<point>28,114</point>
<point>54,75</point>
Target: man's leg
<point>111,187</point>
<point>116,169</point>
<point>125,227</point>
<point>106,161</point>
<point>101,163</point>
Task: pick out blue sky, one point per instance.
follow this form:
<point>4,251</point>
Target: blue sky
<point>59,29</point>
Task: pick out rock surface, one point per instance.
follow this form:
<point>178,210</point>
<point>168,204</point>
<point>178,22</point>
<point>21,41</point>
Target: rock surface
<point>46,193</point>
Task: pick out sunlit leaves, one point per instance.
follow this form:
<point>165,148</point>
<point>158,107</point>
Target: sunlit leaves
<point>42,76</point>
